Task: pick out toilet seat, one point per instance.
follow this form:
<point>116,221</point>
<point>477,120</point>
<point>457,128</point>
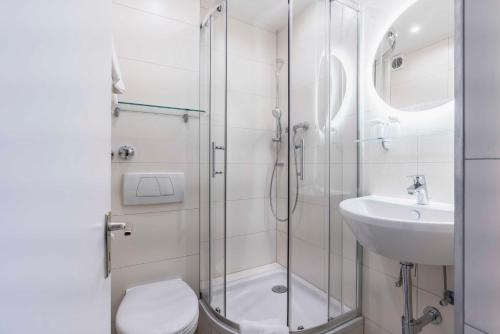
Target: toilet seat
<point>167,307</point>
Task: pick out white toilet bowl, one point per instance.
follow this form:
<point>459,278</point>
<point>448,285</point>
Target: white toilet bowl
<point>167,307</point>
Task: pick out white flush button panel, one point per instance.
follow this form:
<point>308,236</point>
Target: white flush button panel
<point>153,188</point>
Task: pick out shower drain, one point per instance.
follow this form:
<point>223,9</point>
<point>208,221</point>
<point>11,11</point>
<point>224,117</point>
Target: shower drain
<point>279,289</point>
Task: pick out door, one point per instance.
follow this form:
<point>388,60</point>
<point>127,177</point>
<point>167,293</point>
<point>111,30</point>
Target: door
<point>213,158</point>
<point>55,169</point>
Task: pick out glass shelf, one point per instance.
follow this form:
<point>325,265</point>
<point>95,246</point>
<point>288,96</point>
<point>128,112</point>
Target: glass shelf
<point>372,140</point>
<point>156,109</point>
<point>382,140</point>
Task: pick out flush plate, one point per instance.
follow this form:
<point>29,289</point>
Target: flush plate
<point>153,188</point>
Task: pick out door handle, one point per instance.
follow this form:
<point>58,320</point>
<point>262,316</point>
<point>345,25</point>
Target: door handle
<point>117,227</point>
<point>214,149</point>
<point>113,227</point>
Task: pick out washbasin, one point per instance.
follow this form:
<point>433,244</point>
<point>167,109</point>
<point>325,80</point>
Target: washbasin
<point>401,229</point>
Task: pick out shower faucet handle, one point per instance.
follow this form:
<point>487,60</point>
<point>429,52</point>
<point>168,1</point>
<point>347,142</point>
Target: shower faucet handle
<point>418,179</point>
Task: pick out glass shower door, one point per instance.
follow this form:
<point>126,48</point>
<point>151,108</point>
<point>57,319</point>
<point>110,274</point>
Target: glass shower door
<point>213,159</point>
<point>323,163</point>
<point>257,262</point>
<point>343,289</point>
<point>309,165</point>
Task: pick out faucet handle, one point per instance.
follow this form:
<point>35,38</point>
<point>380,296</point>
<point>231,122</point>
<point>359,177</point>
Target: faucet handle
<point>418,179</point>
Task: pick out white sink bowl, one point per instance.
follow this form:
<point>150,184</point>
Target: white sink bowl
<point>402,230</point>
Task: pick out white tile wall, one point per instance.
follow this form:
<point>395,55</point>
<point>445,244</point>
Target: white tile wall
<point>156,237</point>
<point>248,216</point>
<point>251,228</point>
<point>251,250</point>
<point>470,330</point>
<point>482,80</point>
<point>184,11</point>
<point>157,44</point>
<point>422,143</point>
<point>309,101</point>
<point>481,180</point>
<point>425,76</point>
<point>372,328</point>
<point>247,180</point>
<point>156,138</point>
<point>157,84</point>
<point>310,262</point>
<point>250,111</point>
<point>251,42</point>
<point>149,38</point>
<point>481,244</point>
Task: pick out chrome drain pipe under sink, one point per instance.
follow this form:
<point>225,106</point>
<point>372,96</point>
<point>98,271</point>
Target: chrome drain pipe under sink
<point>431,314</point>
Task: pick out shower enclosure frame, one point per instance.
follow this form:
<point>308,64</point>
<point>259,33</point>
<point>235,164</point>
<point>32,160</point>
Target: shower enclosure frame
<point>344,318</point>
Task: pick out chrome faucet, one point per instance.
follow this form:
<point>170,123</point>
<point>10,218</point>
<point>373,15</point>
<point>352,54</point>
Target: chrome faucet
<point>419,188</point>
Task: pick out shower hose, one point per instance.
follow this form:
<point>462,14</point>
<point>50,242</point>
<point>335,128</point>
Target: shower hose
<point>273,208</point>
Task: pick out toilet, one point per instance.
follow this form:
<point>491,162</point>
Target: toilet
<point>166,307</point>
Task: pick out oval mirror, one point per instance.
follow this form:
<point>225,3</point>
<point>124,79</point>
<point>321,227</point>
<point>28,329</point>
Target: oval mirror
<point>413,68</point>
<point>337,85</point>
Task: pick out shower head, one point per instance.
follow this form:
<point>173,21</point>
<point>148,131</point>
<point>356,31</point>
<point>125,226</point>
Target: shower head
<point>277,113</point>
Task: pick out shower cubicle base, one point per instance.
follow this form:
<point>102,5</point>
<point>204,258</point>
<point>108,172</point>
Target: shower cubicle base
<point>251,296</point>
<point>209,323</point>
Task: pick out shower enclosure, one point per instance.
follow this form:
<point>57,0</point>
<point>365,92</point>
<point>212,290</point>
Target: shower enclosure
<point>278,153</point>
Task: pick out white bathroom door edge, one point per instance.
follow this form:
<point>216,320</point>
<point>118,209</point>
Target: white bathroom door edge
<point>55,170</point>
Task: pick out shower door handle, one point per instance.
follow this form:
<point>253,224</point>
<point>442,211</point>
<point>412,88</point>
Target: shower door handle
<point>214,149</point>
<point>302,160</point>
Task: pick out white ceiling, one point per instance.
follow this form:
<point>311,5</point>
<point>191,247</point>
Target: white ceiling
<point>271,15</point>
<point>435,18</point>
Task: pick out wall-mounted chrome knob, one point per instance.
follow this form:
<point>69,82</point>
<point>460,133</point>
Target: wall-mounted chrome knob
<point>448,298</point>
<point>126,152</point>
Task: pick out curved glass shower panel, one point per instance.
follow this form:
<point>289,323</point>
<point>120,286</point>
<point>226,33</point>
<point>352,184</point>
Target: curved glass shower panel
<point>308,164</point>
<point>343,155</point>
<point>212,158</point>
<point>204,167</point>
<point>256,124</point>
<point>323,161</point>
<point>277,156</point>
